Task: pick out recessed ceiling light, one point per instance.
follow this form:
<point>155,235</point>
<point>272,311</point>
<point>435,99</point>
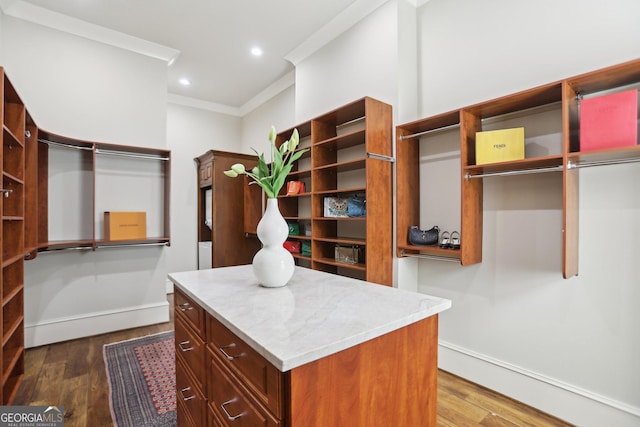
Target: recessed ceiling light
<point>256,51</point>
<point>184,81</point>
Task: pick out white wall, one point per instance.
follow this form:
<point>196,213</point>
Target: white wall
<point>569,347</point>
<point>88,90</point>
<point>361,62</point>
<point>279,111</point>
<point>190,133</point>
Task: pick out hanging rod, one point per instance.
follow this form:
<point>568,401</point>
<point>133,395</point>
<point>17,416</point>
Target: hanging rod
<point>432,257</point>
<point>492,119</point>
<point>125,245</point>
<point>515,172</point>
<point>521,113</point>
<point>350,122</point>
<point>73,248</point>
<point>126,154</point>
<point>426,132</point>
<point>571,165</point>
<point>62,144</point>
<point>5,191</point>
<point>381,157</point>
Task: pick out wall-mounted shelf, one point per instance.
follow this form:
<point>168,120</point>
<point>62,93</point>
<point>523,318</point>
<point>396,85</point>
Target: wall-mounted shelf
<point>557,106</point>
<point>147,170</point>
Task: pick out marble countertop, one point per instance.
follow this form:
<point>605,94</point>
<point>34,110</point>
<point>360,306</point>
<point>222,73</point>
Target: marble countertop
<point>316,314</point>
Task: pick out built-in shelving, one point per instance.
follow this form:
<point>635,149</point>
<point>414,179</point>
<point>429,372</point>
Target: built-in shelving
<point>94,159</point>
<point>12,202</point>
<point>556,105</point>
<point>338,165</point>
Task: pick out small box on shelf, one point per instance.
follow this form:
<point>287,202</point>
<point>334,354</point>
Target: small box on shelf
<point>502,145</point>
<point>125,225</point>
<point>609,121</point>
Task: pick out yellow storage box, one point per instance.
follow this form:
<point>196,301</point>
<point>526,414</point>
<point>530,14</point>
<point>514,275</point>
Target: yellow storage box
<point>501,145</point>
<point>125,225</point>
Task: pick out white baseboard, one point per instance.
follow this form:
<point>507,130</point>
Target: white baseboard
<point>58,330</point>
<point>565,401</point>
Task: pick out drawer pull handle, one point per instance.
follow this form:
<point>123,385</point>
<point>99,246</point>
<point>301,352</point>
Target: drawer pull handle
<point>183,343</point>
<point>227,355</point>
<point>229,416</point>
<point>185,307</point>
<point>184,397</point>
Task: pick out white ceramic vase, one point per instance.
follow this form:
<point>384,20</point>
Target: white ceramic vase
<point>273,265</point>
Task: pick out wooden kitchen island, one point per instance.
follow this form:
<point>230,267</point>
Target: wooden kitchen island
<point>323,351</point>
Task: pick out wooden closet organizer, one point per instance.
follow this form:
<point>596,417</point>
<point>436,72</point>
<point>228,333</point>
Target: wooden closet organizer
<point>561,98</point>
<point>25,212</point>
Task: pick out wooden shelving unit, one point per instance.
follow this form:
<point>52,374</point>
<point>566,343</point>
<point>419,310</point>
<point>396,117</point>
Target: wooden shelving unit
<point>560,99</point>
<point>350,149</point>
<point>24,202</point>
<point>14,245</point>
<point>90,152</point>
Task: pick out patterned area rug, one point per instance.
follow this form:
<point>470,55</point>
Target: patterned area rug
<point>142,381</point>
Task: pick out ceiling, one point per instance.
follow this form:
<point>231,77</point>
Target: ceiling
<point>211,39</point>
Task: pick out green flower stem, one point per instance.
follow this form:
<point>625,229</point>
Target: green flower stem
<point>271,177</point>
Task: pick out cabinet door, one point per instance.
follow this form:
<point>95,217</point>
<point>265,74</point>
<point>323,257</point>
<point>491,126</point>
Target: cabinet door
<point>205,173</point>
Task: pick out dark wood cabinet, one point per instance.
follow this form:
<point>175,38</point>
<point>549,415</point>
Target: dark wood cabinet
<point>224,200</point>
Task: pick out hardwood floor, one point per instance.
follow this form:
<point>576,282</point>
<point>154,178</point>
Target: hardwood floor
<point>72,374</point>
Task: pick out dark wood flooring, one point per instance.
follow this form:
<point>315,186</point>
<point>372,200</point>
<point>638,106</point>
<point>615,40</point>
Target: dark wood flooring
<point>72,374</point>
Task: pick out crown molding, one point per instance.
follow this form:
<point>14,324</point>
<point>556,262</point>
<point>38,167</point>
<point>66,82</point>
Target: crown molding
<point>353,14</point>
<point>275,88</point>
<point>271,91</point>
<point>41,16</point>
<point>200,104</point>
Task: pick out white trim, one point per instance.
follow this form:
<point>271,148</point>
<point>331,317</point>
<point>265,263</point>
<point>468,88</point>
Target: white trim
<point>353,14</point>
<point>68,328</point>
<point>418,3</point>
<point>39,15</point>
<point>275,88</point>
<point>202,105</point>
<point>480,374</point>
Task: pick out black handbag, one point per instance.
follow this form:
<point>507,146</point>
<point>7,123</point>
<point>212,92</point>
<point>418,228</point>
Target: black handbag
<point>424,237</point>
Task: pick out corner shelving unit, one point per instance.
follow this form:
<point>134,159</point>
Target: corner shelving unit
<point>24,202</point>
<point>558,101</point>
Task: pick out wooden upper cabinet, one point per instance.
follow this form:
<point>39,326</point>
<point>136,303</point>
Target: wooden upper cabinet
<point>205,172</point>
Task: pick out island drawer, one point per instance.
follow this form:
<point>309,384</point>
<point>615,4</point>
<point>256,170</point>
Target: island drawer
<point>263,379</point>
<point>192,312</point>
<point>189,396</point>
<point>233,403</point>
<point>190,347</point>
